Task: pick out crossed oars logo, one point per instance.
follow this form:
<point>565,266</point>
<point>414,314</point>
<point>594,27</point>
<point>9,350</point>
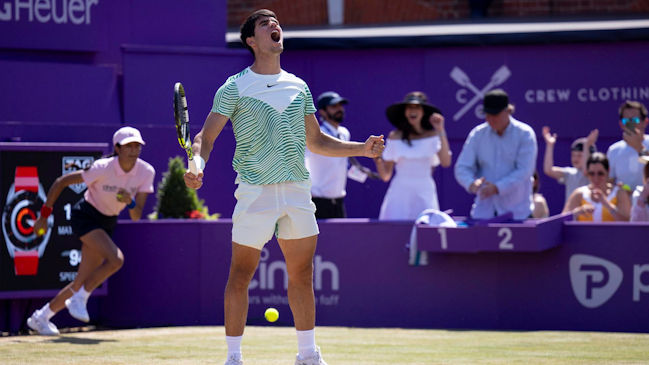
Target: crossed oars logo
<point>501,75</point>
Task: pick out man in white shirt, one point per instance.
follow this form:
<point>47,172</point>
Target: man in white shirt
<point>623,155</point>
<point>329,174</point>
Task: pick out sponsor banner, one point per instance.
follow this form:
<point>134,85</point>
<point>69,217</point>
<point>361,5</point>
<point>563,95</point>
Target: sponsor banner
<point>71,25</point>
<point>33,264</point>
<point>269,285</point>
<point>105,25</point>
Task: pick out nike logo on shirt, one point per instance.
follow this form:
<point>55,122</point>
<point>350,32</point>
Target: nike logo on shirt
<point>271,85</point>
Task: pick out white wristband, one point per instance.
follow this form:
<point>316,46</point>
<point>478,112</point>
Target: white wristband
<point>200,163</point>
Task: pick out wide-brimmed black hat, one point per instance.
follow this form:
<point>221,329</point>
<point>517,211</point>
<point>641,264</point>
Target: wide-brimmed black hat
<point>396,112</point>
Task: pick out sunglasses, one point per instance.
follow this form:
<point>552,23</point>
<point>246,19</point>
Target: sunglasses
<point>596,173</point>
<point>626,121</point>
<point>580,147</point>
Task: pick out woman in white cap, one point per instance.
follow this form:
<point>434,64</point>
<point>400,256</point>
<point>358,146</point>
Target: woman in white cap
<point>414,149</point>
<point>121,180</point>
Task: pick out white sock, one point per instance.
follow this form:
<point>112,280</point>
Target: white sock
<point>306,343</point>
<point>83,293</point>
<point>234,345</point>
<point>47,312</point>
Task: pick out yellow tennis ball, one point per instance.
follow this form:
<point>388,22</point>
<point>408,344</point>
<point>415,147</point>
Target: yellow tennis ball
<point>41,232</point>
<point>271,314</point>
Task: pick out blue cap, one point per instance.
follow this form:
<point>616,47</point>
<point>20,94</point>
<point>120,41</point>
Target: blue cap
<point>329,98</point>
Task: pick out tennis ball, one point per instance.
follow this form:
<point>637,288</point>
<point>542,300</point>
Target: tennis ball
<point>271,314</point>
<point>41,232</point>
<point>119,196</point>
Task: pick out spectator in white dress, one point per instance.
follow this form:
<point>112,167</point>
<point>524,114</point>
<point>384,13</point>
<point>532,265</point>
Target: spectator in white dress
<point>413,149</point>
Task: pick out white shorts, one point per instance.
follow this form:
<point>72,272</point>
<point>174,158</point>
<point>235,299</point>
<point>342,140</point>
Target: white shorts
<point>285,209</point>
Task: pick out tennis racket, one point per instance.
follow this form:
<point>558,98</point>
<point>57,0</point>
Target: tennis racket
<point>181,115</point>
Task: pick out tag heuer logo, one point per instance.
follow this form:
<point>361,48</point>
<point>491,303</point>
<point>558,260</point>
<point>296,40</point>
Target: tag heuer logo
<point>74,163</point>
<point>594,280</point>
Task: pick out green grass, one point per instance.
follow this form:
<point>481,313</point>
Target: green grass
<point>340,345</point>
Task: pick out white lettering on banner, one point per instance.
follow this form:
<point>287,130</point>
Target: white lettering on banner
<point>319,268</point>
<point>547,96</point>
<point>64,230</point>
<point>6,14</point>
<point>74,256</point>
<point>460,96</point>
<point>506,243</point>
<point>67,276</point>
<point>586,95</point>
<point>594,280</point>
<point>461,78</point>
<point>267,270</point>
<point>537,96</point>
<point>274,299</point>
<point>59,11</point>
<point>638,285</point>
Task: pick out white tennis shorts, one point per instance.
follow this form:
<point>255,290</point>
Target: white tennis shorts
<point>285,209</point>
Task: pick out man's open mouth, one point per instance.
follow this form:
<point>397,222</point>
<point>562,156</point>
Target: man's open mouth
<point>275,36</point>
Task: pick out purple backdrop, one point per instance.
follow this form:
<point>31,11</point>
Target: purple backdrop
<point>362,278</point>
<point>595,277</point>
<point>101,26</point>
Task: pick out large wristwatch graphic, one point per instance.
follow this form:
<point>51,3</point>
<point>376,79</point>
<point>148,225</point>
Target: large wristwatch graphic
<point>24,200</point>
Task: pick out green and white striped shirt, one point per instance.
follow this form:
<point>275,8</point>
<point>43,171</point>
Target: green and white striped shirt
<point>267,114</point>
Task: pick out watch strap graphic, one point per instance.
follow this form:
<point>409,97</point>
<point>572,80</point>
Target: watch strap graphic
<point>26,262</point>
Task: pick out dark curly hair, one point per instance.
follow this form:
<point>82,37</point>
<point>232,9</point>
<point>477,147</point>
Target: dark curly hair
<point>248,27</point>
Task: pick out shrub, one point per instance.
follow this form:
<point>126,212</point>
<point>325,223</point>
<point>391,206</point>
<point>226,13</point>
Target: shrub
<point>175,199</point>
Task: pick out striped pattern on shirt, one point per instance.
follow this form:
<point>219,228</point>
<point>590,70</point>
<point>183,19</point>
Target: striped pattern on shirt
<point>267,114</point>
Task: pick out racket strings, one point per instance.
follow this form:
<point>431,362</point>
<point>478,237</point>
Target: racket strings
<point>181,114</point>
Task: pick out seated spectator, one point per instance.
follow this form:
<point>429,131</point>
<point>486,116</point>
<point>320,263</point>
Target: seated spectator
<point>640,207</point>
<point>599,201</point>
<point>575,176</point>
<point>541,209</point>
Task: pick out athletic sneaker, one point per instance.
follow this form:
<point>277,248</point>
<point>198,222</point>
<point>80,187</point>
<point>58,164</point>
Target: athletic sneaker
<point>41,325</point>
<point>234,360</point>
<point>77,307</point>
<point>316,359</point>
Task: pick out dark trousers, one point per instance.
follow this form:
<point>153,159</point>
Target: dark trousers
<point>329,208</point>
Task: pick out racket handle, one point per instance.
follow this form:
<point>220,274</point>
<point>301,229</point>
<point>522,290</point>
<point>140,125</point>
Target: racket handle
<point>192,167</point>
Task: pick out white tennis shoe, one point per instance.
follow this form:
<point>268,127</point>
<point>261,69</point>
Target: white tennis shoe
<point>234,360</point>
<point>315,359</point>
<point>41,325</point>
<point>77,307</point>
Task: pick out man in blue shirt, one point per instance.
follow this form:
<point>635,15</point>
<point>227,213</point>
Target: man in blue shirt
<point>497,161</point>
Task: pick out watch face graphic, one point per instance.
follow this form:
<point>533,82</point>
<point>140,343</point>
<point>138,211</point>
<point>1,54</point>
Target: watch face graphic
<point>24,201</point>
<point>18,217</point>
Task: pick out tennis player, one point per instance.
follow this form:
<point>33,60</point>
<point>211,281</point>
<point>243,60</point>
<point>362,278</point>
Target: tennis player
<point>273,119</point>
<point>115,182</point>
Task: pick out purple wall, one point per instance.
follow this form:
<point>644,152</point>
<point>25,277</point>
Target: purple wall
<point>362,279</point>
<point>596,278</point>
<point>101,26</point>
